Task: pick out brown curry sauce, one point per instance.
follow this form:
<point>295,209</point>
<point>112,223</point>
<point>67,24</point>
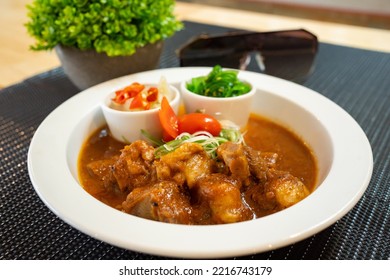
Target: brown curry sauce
<point>262,134</point>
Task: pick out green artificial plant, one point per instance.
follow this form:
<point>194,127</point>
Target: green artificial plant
<point>114,27</point>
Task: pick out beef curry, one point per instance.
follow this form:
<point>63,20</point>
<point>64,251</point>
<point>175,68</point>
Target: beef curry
<point>273,170</point>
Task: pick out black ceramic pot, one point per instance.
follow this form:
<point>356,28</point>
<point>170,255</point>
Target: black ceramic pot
<point>88,68</point>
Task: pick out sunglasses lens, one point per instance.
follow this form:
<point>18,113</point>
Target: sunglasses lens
<point>230,61</point>
<point>294,67</point>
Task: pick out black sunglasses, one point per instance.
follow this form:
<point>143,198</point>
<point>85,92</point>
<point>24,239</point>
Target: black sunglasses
<point>287,54</point>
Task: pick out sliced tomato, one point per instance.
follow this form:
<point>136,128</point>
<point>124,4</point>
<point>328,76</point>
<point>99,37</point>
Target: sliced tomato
<point>134,89</point>
<point>139,102</point>
<point>194,122</point>
<point>168,120</point>
<point>120,96</point>
<point>152,94</point>
<point>128,92</point>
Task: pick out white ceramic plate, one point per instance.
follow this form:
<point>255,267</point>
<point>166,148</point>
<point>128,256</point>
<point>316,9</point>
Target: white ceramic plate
<point>343,152</point>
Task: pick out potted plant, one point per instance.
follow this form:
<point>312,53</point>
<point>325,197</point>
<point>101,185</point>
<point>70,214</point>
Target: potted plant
<point>97,40</point>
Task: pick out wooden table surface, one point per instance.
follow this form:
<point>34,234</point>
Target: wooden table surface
<point>17,62</point>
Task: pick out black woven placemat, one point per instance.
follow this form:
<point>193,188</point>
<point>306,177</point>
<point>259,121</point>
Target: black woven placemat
<point>358,80</point>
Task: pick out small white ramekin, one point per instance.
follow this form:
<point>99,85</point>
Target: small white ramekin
<point>235,109</point>
<point>126,126</point>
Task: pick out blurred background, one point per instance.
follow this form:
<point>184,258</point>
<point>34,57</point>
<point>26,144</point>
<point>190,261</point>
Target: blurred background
<point>370,13</point>
<point>354,23</point>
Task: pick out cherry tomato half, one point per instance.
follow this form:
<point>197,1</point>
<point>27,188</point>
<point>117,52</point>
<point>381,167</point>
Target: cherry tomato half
<point>194,122</point>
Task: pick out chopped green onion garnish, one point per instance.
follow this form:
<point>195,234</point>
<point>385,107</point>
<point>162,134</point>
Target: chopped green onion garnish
<point>153,140</point>
<point>209,142</point>
<point>219,83</point>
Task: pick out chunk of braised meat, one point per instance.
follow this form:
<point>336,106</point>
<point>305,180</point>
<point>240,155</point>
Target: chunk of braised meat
<point>163,201</point>
<point>259,162</point>
<point>287,188</point>
<point>134,167</point>
<point>102,170</point>
<point>281,190</point>
<point>185,165</point>
<point>222,196</point>
<point>234,157</point>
